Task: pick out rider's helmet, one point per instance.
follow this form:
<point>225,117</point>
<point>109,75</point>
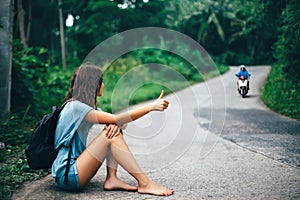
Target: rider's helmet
<point>243,67</point>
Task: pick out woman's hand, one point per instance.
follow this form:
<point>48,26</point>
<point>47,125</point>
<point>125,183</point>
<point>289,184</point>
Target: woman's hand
<point>160,104</point>
<point>112,130</point>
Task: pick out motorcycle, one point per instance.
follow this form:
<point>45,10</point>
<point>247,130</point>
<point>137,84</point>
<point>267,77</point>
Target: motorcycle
<point>243,86</point>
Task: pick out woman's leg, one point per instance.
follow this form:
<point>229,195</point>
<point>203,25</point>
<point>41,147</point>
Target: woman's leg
<point>112,182</point>
<point>87,163</point>
<point>91,159</point>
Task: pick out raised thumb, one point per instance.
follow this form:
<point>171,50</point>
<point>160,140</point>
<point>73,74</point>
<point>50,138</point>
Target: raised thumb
<point>162,94</point>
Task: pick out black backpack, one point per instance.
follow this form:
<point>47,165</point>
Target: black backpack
<point>40,152</point>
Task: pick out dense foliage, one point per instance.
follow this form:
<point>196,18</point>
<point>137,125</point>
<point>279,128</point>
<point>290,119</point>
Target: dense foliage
<point>281,93</point>
<point>282,90</point>
<point>233,31</point>
<point>36,84</point>
<point>287,48</point>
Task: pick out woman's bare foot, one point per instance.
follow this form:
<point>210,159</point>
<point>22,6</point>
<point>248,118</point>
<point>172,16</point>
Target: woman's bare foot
<point>116,184</point>
<point>155,189</point>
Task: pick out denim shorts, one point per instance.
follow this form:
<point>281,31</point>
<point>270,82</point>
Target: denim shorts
<point>73,182</point>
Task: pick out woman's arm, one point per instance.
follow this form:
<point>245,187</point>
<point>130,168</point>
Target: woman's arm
<point>95,116</point>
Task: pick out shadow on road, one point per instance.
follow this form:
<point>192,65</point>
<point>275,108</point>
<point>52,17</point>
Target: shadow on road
<point>252,96</point>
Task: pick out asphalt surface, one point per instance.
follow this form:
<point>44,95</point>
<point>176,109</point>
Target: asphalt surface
<point>250,124</point>
<point>209,144</point>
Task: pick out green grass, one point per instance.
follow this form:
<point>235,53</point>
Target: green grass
<point>14,170</point>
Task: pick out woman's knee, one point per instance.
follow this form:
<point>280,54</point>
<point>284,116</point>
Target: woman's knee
<point>116,138</point>
<point>103,134</point>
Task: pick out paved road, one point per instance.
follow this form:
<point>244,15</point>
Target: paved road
<point>250,124</point>
<point>210,144</point>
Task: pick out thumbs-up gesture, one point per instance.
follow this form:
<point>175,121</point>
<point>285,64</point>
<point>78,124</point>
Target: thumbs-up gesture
<point>160,104</point>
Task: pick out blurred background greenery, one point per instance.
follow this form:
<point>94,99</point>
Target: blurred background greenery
<point>52,38</point>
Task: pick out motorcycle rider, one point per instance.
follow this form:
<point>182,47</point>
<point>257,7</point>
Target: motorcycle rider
<point>243,72</point>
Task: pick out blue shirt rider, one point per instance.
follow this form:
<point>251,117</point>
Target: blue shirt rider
<point>243,72</point>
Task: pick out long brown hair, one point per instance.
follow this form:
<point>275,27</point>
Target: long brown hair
<point>85,84</point>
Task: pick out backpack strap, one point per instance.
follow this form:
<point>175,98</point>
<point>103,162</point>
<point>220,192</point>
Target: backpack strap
<point>68,163</point>
<point>70,150</point>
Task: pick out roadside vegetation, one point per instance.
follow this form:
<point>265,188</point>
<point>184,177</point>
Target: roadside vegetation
<point>14,170</point>
<point>233,32</point>
<point>281,92</point>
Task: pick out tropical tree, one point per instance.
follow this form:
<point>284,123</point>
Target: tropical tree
<point>95,21</point>
<point>287,48</point>
<point>209,22</point>
<point>24,34</point>
<point>62,35</point>
<point>260,30</point>
<point>240,31</point>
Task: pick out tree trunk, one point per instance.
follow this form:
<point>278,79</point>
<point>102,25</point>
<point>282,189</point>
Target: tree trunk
<point>21,23</point>
<point>29,20</point>
<point>62,35</point>
<point>6,25</point>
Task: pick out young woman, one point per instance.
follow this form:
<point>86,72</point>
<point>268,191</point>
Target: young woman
<point>74,124</point>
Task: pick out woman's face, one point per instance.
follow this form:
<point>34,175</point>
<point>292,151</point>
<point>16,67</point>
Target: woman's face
<point>101,89</point>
